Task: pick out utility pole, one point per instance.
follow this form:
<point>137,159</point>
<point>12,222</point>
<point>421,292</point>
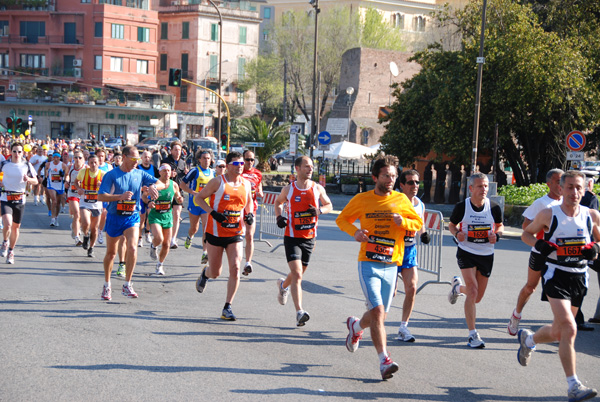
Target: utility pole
<point>480,62</point>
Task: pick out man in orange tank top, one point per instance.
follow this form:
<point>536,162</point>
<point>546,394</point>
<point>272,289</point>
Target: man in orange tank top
<point>302,198</point>
<point>230,201</point>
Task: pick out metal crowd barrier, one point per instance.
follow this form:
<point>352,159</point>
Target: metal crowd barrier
<point>429,255</point>
<point>268,221</point>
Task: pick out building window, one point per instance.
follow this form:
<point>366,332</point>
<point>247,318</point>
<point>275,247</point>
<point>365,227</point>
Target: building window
<point>398,20</point>
<point>213,69</point>
<point>116,64</point>
<point>143,34</point>
<point>142,66</point>
<point>97,62</point>
<point>86,1</point>
<point>117,31</point>
<point>243,31</point>
<point>4,60</point>
<point>265,34</point>
<point>183,94</point>
<point>4,28</point>
<point>164,30</point>
<point>241,68</point>
<point>212,98</point>
<point>32,30</point>
<point>98,28</point>
<point>240,98</point>
<point>185,30</point>
<point>419,23</point>
<point>162,87</point>
<point>33,60</point>
<point>267,13</point>
<point>214,32</point>
<point>163,62</point>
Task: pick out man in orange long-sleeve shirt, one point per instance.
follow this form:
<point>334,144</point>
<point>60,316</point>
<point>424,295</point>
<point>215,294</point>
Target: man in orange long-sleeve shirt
<point>384,216</point>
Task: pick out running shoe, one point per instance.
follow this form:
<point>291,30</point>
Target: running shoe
<point>49,213</point>
<point>73,235</point>
<point>404,335</point>
<point>10,258</point>
<point>121,269</point>
<point>475,341</point>
<point>52,222</point>
<point>91,252</point>
<point>140,242</point>
<point>174,244</point>
<point>35,202</point>
<point>56,222</point>
<point>204,259</point>
<point>188,242</point>
<point>455,291</point>
<point>524,353</point>
<point>388,368</point>
<point>43,201</point>
<point>78,242</point>
<point>147,237</point>
<point>100,237</point>
<point>159,269</point>
<point>227,314</point>
<point>580,392</point>
<point>106,293</point>
<point>86,242</point>
<point>247,269</point>
<point>201,282</point>
<point>62,210</point>
<point>129,292</point>
<point>283,293</point>
<point>353,338</point>
<point>4,251</point>
<point>301,318</point>
<point>513,324</point>
<point>153,253</point>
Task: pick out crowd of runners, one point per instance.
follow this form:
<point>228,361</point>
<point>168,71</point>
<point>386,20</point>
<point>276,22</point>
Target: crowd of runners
<point>129,201</point>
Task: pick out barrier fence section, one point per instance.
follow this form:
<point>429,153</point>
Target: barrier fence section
<point>430,255</point>
<point>268,220</point>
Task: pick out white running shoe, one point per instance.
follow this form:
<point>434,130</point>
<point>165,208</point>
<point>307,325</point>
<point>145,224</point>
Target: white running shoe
<point>404,335</point>
<point>283,293</point>
<point>129,292</point>
<point>153,253</point>
<point>475,342</point>
<point>147,238</point>
<point>52,222</point>
<point>106,293</point>
<point>56,222</point>
<point>388,368</point>
<point>301,318</point>
<point>10,258</point>
<point>513,324</point>
<point>159,270</point>
<point>524,353</point>
<point>580,392</point>
<point>140,242</point>
<point>455,291</point>
<point>100,237</point>
<point>4,251</point>
<point>353,338</point>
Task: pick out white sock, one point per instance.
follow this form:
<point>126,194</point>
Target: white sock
<point>127,283</point>
<point>382,356</point>
<point>572,381</point>
<point>107,284</point>
<point>356,326</point>
<point>403,324</point>
<point>529,342</point>
<point>473,332</point>
<point>516,314</point>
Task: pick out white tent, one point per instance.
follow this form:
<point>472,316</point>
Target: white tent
<point>375,148</point>
<point>347,150</point>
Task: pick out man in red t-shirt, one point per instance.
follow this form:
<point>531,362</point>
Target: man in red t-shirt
<point>254,176</point>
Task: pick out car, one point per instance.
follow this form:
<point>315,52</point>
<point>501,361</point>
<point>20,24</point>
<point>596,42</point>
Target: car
<point>113,142</point>
<point>152,143</point>
<point>591,165</point>
<point>284,156</point>
<point>91,144</point>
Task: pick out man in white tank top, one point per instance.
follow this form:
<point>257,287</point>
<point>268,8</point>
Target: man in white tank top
<point>570,235</point>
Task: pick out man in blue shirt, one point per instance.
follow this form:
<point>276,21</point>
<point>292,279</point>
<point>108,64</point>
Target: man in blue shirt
<point>122,189</point>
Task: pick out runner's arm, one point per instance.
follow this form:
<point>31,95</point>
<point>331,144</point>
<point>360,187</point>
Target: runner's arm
<point>211,187</point>
<point>326,205</point>
<point>281,200</point>
<point>541,222</point>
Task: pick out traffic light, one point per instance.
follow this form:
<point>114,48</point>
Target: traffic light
<point>224,142</point>
<point>9,125</point>
<point>18,125</point>
<point>175,77</point>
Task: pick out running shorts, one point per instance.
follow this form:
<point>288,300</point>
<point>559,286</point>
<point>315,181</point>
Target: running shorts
<point>297,248</point>
<point>378,281</point>
<point>483,263</point>
<point>559,284</point>
<point>223,241</point>
<point>115,224</point>
<point>15,209</point>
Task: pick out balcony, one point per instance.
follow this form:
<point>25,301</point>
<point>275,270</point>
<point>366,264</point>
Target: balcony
<point>43,40</point>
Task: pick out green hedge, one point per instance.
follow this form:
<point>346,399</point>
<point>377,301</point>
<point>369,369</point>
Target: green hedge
<point>514,195</point>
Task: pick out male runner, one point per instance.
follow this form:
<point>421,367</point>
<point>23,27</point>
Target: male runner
<point>87,184</point>
<point>302,198</point>
<point>536,262</point>
<point>178,171</point>
<point>570,235</point>
<point>409,184</point>
<point>230,201</point>
<point>37,160</point>
<point>17,173</point>
<point>385,216</point>
<point>105,167</point>
<point>55,172</point>
<point>476,224</point>
<point>73,196</point>
<point>194,181</point>
<point>254,176</point>
<point>147,167</point>
<point>121,188</point>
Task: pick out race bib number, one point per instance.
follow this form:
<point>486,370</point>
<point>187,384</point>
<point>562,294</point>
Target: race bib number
<point>90,196</point>
<point>73,188</point>
<point>126,207</point>
<point>162,206</point>
<point>380,249</point>
<point>17,198</point>
<point>55,178</point>
<point>233,219</point>
<point>569,249</point>
<point>409,238</point>
<point>479,233</point>
<point>304,221</point>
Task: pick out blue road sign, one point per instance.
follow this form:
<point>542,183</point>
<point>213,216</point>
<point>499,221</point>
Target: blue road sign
<point>324,138</point>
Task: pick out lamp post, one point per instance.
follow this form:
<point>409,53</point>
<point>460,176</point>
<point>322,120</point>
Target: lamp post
<point>313,133</point>
<point>220,55</point>
<point>204,107</point>
<point>349,92</point>
<point>480,61</point>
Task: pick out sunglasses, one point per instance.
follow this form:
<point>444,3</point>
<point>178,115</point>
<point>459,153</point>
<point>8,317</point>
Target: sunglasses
<point>222,166</point>
<point>79,157</point>
<point>240,163</point>
<point>413,182</point>
<point>17,152</point>
<point>249,159</point>
<point>135,159</point>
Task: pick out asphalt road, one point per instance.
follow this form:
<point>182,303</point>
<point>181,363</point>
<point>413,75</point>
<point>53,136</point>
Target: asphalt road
<point>61,342</point>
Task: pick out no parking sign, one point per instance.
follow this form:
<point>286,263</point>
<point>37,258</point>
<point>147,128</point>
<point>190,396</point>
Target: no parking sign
<point>576,141</point>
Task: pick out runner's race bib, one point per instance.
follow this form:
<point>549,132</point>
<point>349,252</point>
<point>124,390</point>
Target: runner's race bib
<point>233,219</point>
<point>55,178</point>
<point>479,233</point>
<point>409,238</point>
<point>380,249</point>
<point>569,249</point>
<point>90,196</point>
<point>14,197</point>
<point>303,220</point>
<point>126,208</point>
<point>163,206</point>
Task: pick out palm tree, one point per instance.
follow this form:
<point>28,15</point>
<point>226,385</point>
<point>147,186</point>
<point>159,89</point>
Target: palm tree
<point>254,129</point>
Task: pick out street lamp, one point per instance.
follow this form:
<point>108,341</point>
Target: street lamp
<point>349,92</point>
<point>220,55</point>
<point>314,123</point>
<point>204,108</point>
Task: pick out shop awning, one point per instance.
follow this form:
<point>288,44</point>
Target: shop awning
<point>140,90</point>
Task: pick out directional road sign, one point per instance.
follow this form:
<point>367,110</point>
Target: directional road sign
<point>324,138</point>
<point>575,141</point>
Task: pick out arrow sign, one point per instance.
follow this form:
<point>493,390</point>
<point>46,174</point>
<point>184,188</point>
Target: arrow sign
<point>575,141</point>
<point>324,138</point>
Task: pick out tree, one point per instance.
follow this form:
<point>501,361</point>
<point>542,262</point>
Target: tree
<point>254,129</point>
<point>378,34</point>
<point>536,86</point>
